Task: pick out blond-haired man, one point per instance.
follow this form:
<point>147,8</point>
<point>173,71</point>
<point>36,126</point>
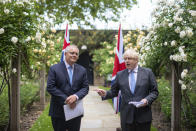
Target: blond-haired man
<point>137,84</point>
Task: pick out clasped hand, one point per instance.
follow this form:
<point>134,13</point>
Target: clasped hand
<point>71,101</point>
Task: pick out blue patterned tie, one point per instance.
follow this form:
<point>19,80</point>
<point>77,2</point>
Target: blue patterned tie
<point>132,82</point>
<point>70,74</point>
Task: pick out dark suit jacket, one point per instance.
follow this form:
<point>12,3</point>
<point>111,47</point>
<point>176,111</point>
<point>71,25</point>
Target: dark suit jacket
<point>59,87</point>
<point>146,87</point>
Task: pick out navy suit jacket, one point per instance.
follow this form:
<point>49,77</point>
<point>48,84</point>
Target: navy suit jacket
<point>146,87</point>
<point>59,87</point>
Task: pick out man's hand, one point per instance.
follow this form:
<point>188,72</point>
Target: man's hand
<point>145,101</point>
<point>71,99</point>
<point>101,92</point>
<point>73,105</point>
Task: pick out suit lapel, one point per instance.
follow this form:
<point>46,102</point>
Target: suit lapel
<point>74,73</point>
<point>64,70</point>
<point>126,78</point>
<point>139,76</point>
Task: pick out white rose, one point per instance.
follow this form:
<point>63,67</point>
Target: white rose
<point>177,57</point>
<point>189,33</point>
<point>184,56</point>
<point>28,39</point>
<point>180,82</point>
<point>185,70</point>
<point>170,25</point>
<point>25,13</point>
<point>14,40</point>
<point>192,12</point>
<point>180,11</point>
<point>165,43</point>
<point>184,73</point>
<point>20,3</point>
<point>177,30</point>
<point>173,43</point>
<point>2,31</point>
<point>6,11</point>
<point>38,37</point>
<point>172,3</point>
<point>14,70</point>
<point>183,86</point>
<point>171,57</point>
<point>182,34</point>
<point>179,19</point>
<point>147,48</point>
<point>53,30</point>
<point>181,49</point>
<point>43,44</point>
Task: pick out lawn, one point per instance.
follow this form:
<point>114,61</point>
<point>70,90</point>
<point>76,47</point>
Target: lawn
<point>43,123</point>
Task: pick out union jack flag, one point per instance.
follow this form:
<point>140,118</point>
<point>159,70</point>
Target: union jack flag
<point>65,43</point>
<point>119,65</point>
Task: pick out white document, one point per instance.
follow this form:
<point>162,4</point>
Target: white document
<point>136,104</point>
<point>72,113</point>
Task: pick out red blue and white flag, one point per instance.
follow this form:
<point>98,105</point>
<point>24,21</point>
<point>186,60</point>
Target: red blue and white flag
<point>65,43</point>
<point>119,65</point>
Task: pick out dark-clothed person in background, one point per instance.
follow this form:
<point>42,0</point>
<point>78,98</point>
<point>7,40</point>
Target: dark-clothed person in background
<point>66,90</point>
<point>137,84</point>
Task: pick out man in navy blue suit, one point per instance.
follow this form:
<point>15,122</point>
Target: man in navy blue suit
<point>67,83</point>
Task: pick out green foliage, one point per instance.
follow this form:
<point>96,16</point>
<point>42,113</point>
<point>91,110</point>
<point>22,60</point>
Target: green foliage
<point>105,57</point>
<point>82,11</point>
<point>29,94</point>
<point>172,37</point>
<point>43,123</point>
<point>188,102</point>
<point>90,38</point>
<point>16,19</point>
<point>172,41</point>
<point>165,96</point>
<point>25,27</point>
<point>105,54</point>
<point>4,108</point>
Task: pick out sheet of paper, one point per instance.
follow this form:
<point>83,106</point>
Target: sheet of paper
<point>137,104</point>
<point>72,113</point>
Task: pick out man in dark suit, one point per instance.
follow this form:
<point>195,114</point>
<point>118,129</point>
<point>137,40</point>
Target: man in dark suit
<point>67,83</point>
<point>137,84</point>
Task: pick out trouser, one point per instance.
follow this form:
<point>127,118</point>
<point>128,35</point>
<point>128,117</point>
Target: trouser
<point>135,126</point>
<point>59,124</point>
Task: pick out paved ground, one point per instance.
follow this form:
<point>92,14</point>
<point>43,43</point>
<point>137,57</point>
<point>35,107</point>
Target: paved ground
<point>98,115</point>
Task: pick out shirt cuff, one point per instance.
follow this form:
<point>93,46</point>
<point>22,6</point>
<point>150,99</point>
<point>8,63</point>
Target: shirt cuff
<point>76,96</point>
